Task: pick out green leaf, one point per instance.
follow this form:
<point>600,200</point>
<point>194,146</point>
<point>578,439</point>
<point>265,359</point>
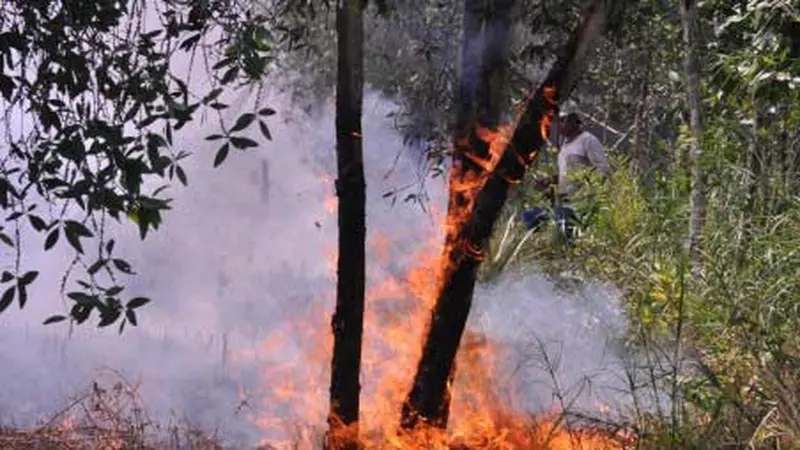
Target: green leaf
<point>243,143</point>
<point>82,298</point>
<point>80,313</point>
<point>131,315</point>
<point>243,122</point>
<point>96,266</point>
<point>73,239</point>
<point>79,228</point>
<point>54,319</point>
<point>222,153</point>
<point>212,96</point>
<point>114,290</point>
<point>122,266</point>
<point>229,75</point>
<point>6,240</point>
<point>51,239</point>
<point>137,302</point>
<point>181,175</point>
<point>265,130</point>
<point>7,298</point>
<point>168,132</point>
<point>108,316</point>
<point>23,295</point>
<point>7,86</point>
<point>37,223</point>
<point>266,112</point>
<point>28,277</point>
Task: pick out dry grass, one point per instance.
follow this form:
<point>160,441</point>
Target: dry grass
<point>108,416</point>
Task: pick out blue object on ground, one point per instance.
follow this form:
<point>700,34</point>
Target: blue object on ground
<point>538,217</point>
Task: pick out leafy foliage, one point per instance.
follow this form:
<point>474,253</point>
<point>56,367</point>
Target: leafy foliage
<point>720,347</point>
<point>93,94</point>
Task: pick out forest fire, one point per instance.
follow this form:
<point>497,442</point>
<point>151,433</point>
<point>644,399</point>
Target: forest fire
<point>396,319</point>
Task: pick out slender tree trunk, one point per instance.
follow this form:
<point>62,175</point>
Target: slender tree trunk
<point>348,320</point>
<point>697,220</point>
<point>428,401</point>
<point>484,59</point>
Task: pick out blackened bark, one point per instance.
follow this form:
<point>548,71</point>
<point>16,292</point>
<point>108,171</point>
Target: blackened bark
<point>348,319</point>
<point>428,401</point>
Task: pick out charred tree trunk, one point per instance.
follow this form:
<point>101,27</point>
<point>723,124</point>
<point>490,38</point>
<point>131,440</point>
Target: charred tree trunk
<point>484,59</point>
<point>697,220</point>
<point>428,401</point>
<point>348,319</point>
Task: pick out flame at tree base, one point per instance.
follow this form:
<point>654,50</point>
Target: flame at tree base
<point>294,394</point>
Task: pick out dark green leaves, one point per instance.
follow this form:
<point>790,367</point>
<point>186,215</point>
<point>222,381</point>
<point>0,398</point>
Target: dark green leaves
<point>108,100</point>
<point>212,96</point>
<point>5,239</point>
<point>243,143</point>
<point>181,175</point>
<point>112,291</point>
<point>96,266</point>
<point>7,298</point>
<point>29,277</point>
<point>266,112</point>
<point>137,302</point>
<point>54,319</point>
<point>123,266</point>
<point>264,130</point>
<point>74,232</point>
<point>7,86</point>
<point>243,122</point>
<point>131,316</point>
<point>222,153</point>
<point>37,223</point>
<point>51,239</point>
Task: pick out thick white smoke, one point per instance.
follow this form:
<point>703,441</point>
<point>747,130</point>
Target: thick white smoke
<point>247,247</point>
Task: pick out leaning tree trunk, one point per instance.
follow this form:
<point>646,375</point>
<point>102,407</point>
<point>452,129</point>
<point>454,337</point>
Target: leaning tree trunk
<point>348,320</point>
<point>470,224</point>
<point>697,220</point>
<point>484,56</point>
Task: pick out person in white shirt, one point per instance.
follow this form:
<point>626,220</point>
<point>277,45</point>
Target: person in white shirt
<point>580,150</point>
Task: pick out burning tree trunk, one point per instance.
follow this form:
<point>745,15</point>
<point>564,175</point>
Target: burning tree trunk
<point>698,194</point>
<point>478,187</point>
<point>484,58</point>
<point>348,320</point>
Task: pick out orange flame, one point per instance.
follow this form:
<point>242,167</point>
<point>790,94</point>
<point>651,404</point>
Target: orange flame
<point>549,95</point>
<point>396,316</point>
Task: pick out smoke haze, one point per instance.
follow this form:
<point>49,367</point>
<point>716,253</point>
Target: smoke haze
<point>247,249</point>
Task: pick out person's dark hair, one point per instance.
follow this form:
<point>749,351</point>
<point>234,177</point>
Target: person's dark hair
<point>572,118</point>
